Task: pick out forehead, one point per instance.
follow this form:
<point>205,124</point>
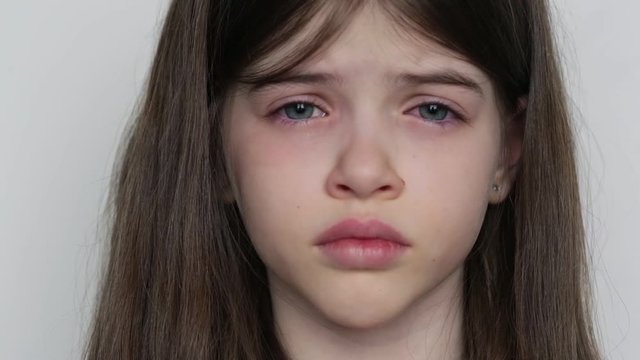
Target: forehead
<point>371,44</point>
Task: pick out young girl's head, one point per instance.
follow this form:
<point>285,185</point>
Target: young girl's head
<point>266,124</point>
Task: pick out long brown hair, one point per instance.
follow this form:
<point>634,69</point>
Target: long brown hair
<point>182,281</point>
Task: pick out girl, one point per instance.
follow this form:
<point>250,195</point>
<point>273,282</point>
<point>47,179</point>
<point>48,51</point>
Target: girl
<point>348,180</point>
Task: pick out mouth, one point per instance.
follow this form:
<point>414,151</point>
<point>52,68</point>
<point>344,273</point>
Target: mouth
<point>351,244</point>
<point>354,229</point>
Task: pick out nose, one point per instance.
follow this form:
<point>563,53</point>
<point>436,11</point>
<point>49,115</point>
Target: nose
<point>364,170</point>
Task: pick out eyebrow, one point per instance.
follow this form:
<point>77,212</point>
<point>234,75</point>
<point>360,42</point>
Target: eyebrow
<point>443,77</point>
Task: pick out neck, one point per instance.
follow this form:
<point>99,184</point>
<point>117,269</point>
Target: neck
<point>430,328</point>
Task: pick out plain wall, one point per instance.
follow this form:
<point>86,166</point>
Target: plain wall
<point>70,72</point>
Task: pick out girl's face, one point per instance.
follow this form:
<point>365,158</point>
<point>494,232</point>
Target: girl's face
<point>355,142</point>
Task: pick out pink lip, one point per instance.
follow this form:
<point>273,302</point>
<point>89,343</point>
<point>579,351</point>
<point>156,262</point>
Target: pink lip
<point>351,244</point>
<point>354,229</point>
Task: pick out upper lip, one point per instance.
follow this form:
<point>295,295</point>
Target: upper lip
<point>353,228</point>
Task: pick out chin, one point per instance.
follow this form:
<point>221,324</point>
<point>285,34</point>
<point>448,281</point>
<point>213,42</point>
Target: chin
<point>358,315</point>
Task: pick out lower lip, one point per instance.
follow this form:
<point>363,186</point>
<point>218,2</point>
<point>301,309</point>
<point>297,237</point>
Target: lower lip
<point>362,253</point>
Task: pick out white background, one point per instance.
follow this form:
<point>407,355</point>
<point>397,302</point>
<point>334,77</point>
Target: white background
<point>70,72</point>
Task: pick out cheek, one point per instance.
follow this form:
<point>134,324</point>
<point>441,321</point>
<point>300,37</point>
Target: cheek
<point>269,170</point>
<point>257,159</point>
<point>275,180</point>
<point>449,193</point>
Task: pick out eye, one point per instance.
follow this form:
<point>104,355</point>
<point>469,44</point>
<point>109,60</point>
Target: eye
<point>297,112</point>
<point>436,112</point>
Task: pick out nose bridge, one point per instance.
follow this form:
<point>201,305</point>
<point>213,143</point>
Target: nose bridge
<point>365,162</point>
<point>368,141</point>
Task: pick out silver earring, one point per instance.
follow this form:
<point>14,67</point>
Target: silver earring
<point>496,187</point>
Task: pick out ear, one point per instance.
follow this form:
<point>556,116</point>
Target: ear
<point>507,170</point>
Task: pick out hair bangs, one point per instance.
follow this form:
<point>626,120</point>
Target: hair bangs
<point>308,31</point>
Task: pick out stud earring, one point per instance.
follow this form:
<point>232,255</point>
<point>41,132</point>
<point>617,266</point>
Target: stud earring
<point>496,187</point>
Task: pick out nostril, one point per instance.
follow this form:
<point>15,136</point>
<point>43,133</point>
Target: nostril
<point>343,187</point>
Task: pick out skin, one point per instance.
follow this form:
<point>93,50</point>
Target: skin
<point>366,152</point>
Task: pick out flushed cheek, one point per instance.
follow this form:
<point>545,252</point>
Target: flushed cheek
<point>266,159</point>
<point>276,186</point>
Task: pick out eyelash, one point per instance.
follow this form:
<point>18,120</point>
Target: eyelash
<point>452,114</point>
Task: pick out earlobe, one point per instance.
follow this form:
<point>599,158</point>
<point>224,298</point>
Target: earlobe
<point>500,188</point>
